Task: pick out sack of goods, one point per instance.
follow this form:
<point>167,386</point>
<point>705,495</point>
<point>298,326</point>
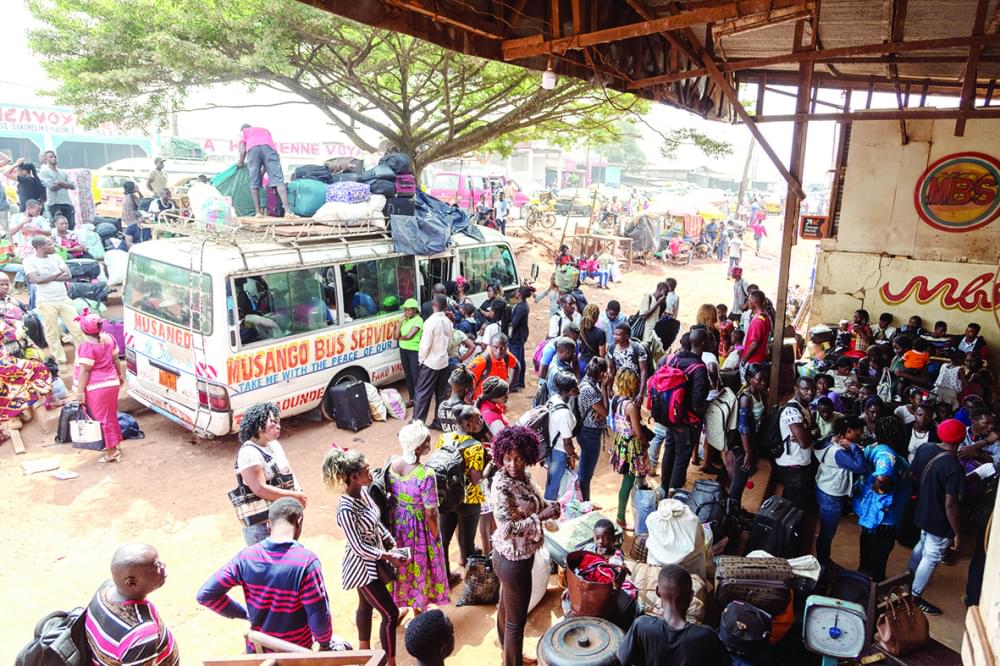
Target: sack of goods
<point>761,581</point>
<point>348,193</point>
<point>567,278</point>
<point>676,537</point>
<point>645,577</point>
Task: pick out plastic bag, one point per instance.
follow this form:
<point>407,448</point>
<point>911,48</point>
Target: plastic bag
<point>643,504</point>
<point>130,427</point>
<point>116,261</point>
<point>375,404</point>
<point>394,403</point>
<point>540,571</point>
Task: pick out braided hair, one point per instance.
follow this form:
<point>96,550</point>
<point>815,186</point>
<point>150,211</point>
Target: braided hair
<point>889,431</point>
<point>255,419</point>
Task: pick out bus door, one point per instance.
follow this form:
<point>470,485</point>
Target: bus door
<point>432,271</point>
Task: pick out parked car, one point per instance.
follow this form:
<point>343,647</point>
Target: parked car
<point>465,189</point>
<point>574,201</point>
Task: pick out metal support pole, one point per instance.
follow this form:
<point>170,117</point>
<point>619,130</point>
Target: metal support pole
<point>789,231</point>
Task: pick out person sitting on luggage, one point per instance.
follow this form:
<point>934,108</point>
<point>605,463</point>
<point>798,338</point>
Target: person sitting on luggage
<point>162,203</point>
<point>671,639</point>
<point>605,544</point>
<point>68,240</point>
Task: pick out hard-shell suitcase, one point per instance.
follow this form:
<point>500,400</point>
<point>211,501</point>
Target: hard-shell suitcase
<point>116,329</point>
<point>306,196</point>
<point>350,406</point>
<point>776,528</point>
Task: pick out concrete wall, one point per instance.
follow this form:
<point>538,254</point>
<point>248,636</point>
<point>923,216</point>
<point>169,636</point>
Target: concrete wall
<point>886,258</point>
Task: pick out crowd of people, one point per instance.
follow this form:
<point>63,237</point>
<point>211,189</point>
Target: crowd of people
<point>895,425</point>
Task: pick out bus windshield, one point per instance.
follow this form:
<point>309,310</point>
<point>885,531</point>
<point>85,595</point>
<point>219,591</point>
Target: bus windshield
<point>171,293</point>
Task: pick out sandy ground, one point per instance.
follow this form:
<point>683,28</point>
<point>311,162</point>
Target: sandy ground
<point>170,491</point>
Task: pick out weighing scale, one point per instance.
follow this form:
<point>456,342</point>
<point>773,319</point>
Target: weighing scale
<point>834,628</point>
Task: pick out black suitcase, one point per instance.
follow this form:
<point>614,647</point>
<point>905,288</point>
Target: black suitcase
<point>83,269</point>
<point>776,528</point>
<point>70,412</point>
<point>88,291</point>
<point>350,406</point>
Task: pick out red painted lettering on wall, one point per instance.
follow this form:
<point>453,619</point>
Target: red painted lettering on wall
<point>979,293</point>
<point>163,331</point>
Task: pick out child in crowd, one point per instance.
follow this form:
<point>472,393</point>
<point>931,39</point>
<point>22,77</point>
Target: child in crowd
<point>844,380</point>
<point>735,252</point>
<point>885,331</point>
<point>918,356</point>
<point>826,416</point>
<point>564,258</point>
<point>914,327</point>
<point>982,443</point>
<point>824,389</point>
<point>950,379</point>
<point>839,461</point>
<point>732,361</point>
<point>725,330</point>
<point>942,412</point>
<point>843,339</point>
<point>907,411</point>
<point>605,543</point>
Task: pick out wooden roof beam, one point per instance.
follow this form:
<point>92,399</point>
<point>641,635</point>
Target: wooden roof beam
<point>526,47</point>
<point>646,13</point>
<point>840,54</point>
<point>968,98</point>
<point>926,113</point>
<point>518,12</point>
<point>418,7</point>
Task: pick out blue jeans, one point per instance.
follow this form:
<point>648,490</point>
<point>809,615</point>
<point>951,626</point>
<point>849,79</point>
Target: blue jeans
<point>589,440</point>
<point>927,554</point>
<point>557,467</point>
<point>831,508</point>
<point>16,271</point>
<point>517,349</point>
<point>254,534</point>
<point>659,433</point>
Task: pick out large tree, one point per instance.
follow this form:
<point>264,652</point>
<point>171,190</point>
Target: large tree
<point>134,62</point>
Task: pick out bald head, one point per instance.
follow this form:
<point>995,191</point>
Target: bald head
<point>137,570</point>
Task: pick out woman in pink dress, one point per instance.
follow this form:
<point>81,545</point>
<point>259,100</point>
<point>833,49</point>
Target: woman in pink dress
<point>97,376</point>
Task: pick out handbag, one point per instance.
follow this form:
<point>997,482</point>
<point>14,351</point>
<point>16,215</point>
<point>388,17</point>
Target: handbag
<point>592,588</point>
<point>251,509</point>
<point>884,387</point>
<point>902,628</point>
<point>386,572</point>
<point>637,326</point>
<point>482,586</point>
<point>85,432</point>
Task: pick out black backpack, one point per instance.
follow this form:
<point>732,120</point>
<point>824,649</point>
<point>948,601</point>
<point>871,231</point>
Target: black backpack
<point>380,492</point>
<point>449,468</point>
<point>60,640</point>
<point>537,418</point>
<point>770,443</point>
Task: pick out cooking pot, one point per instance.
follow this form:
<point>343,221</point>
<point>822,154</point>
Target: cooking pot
<point>580,641</point>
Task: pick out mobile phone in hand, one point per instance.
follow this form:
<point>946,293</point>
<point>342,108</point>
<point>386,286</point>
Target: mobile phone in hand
<point>405,552</point>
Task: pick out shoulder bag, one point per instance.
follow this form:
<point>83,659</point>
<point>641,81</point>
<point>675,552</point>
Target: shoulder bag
<point>251,509</point>
<point>592,588</point>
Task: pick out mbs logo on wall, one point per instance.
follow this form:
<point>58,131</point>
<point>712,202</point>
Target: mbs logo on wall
<point>958,193</point>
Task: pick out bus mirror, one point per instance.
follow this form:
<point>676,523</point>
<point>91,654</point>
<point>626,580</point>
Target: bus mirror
<point>534,272</point>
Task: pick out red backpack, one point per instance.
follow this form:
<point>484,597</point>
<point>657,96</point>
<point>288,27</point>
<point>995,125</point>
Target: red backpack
<point>666,391</point>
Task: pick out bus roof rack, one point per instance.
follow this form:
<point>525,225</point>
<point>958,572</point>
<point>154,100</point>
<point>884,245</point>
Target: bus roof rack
<point>282,230</point>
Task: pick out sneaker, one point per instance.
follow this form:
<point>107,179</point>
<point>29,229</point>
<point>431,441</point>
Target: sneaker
<point>927,607</point>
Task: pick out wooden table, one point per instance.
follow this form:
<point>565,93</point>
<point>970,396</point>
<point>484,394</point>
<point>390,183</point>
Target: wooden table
<point>624,243</point>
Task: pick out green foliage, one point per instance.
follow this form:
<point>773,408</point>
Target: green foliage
<point>687,136</point>
<point>133,62</point>
<point>626,150</point>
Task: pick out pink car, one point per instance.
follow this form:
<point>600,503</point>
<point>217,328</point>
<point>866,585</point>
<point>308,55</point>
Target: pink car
<point>465,189</point>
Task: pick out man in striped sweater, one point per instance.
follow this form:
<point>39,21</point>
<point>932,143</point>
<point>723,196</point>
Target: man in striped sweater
<point>282,583</point>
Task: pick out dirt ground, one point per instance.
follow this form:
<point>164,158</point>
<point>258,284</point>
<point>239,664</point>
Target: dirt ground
<point>170,491</point>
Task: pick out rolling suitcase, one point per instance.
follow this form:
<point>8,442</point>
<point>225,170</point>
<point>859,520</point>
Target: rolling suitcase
<point>350,406</point>
<point>776,528</point>
<point>116,329</point>
<point>761,581</point>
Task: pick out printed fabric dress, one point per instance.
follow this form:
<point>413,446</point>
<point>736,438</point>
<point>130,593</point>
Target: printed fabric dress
<point>422,581</point>
<point>629,455</point>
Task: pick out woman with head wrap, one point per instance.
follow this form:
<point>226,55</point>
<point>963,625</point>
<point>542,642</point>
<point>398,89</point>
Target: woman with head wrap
<point>97,375</point>
<point>424,580</point>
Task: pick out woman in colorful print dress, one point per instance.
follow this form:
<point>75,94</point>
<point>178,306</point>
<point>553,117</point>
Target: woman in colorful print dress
<point>423,580</point>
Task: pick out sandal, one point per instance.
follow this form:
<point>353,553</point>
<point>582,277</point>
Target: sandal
<point>116,457</point>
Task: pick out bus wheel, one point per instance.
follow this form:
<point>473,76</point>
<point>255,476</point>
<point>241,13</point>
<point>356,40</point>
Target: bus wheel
<point>351,375</point>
